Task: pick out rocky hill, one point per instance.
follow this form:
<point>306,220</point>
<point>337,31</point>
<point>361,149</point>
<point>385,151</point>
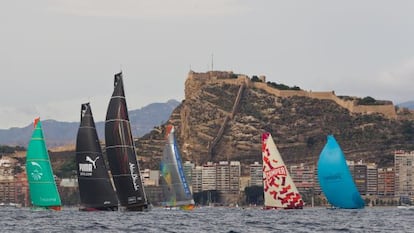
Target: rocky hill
<point>224,114</point>
<point>59,133</point>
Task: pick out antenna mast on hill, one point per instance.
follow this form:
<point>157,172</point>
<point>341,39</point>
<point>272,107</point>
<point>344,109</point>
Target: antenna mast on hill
<point>212,62</point>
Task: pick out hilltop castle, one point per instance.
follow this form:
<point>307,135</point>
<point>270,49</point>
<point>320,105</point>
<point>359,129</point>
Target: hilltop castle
<point>196,80</point>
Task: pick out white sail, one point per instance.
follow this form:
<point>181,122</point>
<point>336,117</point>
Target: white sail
<point>279,190</point>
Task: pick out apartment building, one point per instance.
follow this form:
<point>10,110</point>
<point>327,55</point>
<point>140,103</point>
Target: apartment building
<point>256,174</point>
<point>404,173</point>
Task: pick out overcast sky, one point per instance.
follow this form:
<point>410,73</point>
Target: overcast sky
<point>57,54</point>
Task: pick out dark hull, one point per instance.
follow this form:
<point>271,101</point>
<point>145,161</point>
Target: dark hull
<point>137,208</point>
<point>108,208</point>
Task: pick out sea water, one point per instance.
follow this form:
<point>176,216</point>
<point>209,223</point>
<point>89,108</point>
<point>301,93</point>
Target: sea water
<point>210,219</point>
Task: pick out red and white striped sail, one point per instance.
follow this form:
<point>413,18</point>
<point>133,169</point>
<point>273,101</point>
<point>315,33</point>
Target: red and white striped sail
<point>279,190</point>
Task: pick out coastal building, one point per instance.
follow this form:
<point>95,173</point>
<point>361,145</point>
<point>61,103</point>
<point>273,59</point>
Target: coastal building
<point>372,179</point>
<point>404,173</point>
<point>7,189</point>
<point>197,179</point>
<point>303,176</point>
<point>317,187</point>
<point>208,176</point>
<point>228,181</point>
<point>386,181</point>
<point>222,176</point>
<point>188,171</point>
<point>359,173</point>
<point>234,182</point>
<point>256,174</point>
<point>13,187</point>
<point>21,189</point>
<point>150,177</point>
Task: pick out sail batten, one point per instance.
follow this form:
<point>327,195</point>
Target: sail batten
<point>95,187</point>
<point>279,190</point>
<point>121,153</point>
<point>335,178</point>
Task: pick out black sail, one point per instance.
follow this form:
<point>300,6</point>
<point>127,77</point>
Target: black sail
<point>121,153</point>
<point>95,187</point>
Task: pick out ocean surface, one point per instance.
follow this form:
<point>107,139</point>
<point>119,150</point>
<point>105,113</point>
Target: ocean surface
<point>210,219</point>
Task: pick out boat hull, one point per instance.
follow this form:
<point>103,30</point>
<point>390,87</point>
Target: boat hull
<point>43,208</point>
<point>109,208</point>
<point>188,207</point>
<point>138,208</point>
<point>279,208</point>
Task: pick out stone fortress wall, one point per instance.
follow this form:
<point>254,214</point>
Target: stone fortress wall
<point>195,80</point>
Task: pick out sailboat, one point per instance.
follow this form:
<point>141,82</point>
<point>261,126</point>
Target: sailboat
<point>335,178</point>
<point>175,188</point>
<point>95,187</point>
<point>121,153</point>
<point>279,190</point>
<point>42,186</point>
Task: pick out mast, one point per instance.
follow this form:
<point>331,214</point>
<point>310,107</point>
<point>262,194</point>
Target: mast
<point>121,152</point>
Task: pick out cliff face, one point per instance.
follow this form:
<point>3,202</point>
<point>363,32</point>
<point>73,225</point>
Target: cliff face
<point>223,116</point>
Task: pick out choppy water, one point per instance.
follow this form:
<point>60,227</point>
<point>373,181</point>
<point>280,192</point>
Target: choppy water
<point>215,219</point>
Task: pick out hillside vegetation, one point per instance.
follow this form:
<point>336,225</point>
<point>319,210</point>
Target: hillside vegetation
<point>298,124</point>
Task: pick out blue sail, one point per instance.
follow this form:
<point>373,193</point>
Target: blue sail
<point>336,179</point>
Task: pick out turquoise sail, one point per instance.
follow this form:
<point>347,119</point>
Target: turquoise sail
<point>336,179</point>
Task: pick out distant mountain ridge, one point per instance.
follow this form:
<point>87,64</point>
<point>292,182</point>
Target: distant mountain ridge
<point>59,133</point>
<point>408,104</point>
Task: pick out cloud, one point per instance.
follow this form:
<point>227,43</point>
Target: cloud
<point>398,79</point>
<point>149,9</point>
<point>17,117</point>
<point>399,76</point>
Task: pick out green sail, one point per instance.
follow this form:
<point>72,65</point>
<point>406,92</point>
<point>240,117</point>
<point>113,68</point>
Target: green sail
<point>42,186</point>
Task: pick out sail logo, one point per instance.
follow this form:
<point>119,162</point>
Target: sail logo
<point>48,199</point>
<point>134,176</point>
<point>275,172</point>
<point>333,177</point>
<point>37,173</point>
<point>92,161</point>
<point>132,200</point>
<point>86,169</point>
